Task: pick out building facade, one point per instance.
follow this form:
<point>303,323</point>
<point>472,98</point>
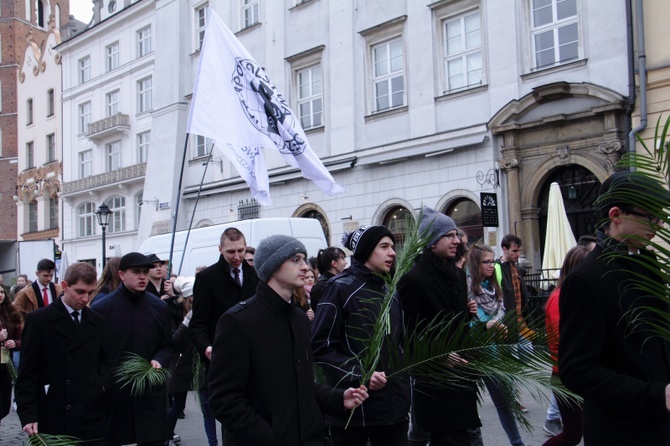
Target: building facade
<point>407,103</point>
<point>108,72</point>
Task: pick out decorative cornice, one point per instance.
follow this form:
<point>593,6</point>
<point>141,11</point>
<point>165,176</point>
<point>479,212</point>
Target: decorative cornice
<point>105,179</point>
<point>508,163</point>
<point>41,235</point>
<point>40,181</point>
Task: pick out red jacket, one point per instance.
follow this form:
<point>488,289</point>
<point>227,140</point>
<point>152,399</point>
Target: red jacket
<point>552,317</point>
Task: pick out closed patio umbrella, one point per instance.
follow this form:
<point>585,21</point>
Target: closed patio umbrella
<point>559,238</point>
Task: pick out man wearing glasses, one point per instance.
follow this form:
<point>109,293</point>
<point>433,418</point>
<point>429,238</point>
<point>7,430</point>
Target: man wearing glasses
<point>436,285</point>
<point>609,353</point>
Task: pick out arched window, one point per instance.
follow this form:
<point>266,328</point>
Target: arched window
<point>138,208</point>
<point>315,214</point>
<point>57,16</point>
<point>468,217</point>
<point>118,207</point>
<point>87,221</point>
<point>398,220</point>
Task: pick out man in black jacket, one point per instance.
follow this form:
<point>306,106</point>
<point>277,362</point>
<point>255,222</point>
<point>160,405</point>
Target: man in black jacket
<point>350,306</point>
<point>64,371</point>
<point>435,285</point>
<point>608,352</point>
<point>261,377</point>
<point>136,322</point>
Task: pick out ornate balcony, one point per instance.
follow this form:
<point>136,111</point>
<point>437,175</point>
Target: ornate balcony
<point>122,175</point>
<point>119,123</point>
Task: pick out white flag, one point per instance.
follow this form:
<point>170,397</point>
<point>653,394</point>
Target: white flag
<point>236,104</point>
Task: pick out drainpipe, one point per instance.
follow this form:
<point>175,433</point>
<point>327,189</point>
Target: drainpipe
<point>642,73</point>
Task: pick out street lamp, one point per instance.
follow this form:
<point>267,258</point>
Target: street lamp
<point>104,214</point>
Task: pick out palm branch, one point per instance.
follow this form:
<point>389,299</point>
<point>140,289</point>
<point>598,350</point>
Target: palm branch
<point>12,371</point>
<point>52,440</point>
<point>139,374</point>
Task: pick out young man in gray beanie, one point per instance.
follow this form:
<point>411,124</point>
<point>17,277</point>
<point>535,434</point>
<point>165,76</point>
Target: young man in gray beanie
<point>435,285</point>
<point>261,378</point>
<point>346,313</point>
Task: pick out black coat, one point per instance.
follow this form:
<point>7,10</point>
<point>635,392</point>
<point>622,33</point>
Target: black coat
<point>181,364</point>
<point>72,363</point>
<point>261,380</point>
<point>345,315</point>
<point>214,293</point>
<point>139,324</point>
<point>318,288</point>
<point>621,374</point>
<point>434,286</point>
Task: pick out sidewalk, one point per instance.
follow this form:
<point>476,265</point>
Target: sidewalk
<point>10,430</point>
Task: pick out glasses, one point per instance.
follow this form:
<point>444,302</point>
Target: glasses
<point>451,237</point>
<point>652,219</point>
<point>488,262</point>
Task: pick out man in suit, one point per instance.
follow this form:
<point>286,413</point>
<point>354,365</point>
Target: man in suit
<point>41,292</point>
<point>64,371</point>
<point>219,287</point>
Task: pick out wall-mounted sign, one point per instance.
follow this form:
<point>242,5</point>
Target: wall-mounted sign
<point>489,205</point>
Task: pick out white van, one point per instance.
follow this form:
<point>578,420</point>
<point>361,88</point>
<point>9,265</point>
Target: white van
<point>203,243</point>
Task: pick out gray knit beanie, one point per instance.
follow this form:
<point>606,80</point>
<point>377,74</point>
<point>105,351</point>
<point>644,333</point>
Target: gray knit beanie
<point>434,225</point>
<point>273,251</point>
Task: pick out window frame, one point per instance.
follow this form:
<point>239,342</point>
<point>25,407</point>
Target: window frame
<point>388,77</point>
<point>112,56</point>
<point>32,216</point>
<point>85,163</point>
<point>86,219</point>
<point>143,145</point>
<point>200,24</point>
<point>84,69</point>
<point>253,7</point>
<point>30,155</point>
<point>464,54</point>
<point>51,147</point>
<point>112,102</point>
<point>311,98</point>
<point>51,102</point>
<point>117,223</point>
<point>113,156</point>
<point>554,26</point>
<point>84,117</point>
<point>145,95</point>
<point>202,146</point>
<point>30,111</point>
<point>54,213</point>
<point>144,42</point>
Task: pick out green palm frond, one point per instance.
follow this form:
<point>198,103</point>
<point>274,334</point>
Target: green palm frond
<point>52,440</point>
<point>139,374</point>
<point>12,371</point>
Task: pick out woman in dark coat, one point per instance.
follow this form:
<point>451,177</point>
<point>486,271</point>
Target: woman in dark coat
<point>10,341</point>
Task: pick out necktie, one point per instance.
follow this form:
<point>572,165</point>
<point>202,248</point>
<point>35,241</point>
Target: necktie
<point>45,296</point>
<point>236,273</point>
<point>75,316</point>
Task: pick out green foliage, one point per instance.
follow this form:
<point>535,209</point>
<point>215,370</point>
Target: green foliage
<point>139,374</point>
<point>12,371</point>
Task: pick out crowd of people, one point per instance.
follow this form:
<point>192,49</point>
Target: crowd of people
<point>247,332</point>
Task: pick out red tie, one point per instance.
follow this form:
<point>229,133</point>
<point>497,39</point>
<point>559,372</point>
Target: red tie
<point>45,296</point>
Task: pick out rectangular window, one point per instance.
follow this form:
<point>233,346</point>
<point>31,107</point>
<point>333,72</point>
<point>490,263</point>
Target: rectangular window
<point>51,102</point>
<point>555,32</point>
<point>143,142</point>
<point>32,217</point>
<point>144,41</point>
<point>84,117</point>
<point>112,102</point>
<point>113,159</point>
<point>200,25</point>
<point>250,12</point>
<point>388,75</point>
<point>30,155</point>
<point>112,52</point>
<point>87,219</point>
<point>53,213</point>
<point>144,95</point>
<point>310,97</point>
<point>51,148</point>
<point>463,52</point>
<point>84,69</point>
<point>85,164</point>
<point>203,146</point>
<point>29,111</point>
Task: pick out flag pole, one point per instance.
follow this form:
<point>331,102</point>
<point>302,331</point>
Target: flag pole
<point>176,210</point>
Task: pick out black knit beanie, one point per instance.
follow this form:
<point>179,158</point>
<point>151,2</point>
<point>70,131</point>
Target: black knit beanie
<point>364,240</point>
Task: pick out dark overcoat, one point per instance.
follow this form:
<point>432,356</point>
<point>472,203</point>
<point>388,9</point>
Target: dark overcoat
<point>214,293</point>
<point>434,286</point>
<point>620,372</point>
<point>261,379</point>
<point>71,362</point>
<point>140,324</point>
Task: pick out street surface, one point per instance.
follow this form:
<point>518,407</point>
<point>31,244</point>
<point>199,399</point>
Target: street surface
<point>192,433</point>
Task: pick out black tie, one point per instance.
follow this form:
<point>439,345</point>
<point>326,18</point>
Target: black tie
<point>75,316</point>
<point>236,273</point>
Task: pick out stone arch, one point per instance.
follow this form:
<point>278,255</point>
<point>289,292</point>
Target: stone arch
<point>312,210</point>
<point>456,194</point>
<point>382,209</point>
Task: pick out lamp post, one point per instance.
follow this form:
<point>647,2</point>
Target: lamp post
<point>103,214</point>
